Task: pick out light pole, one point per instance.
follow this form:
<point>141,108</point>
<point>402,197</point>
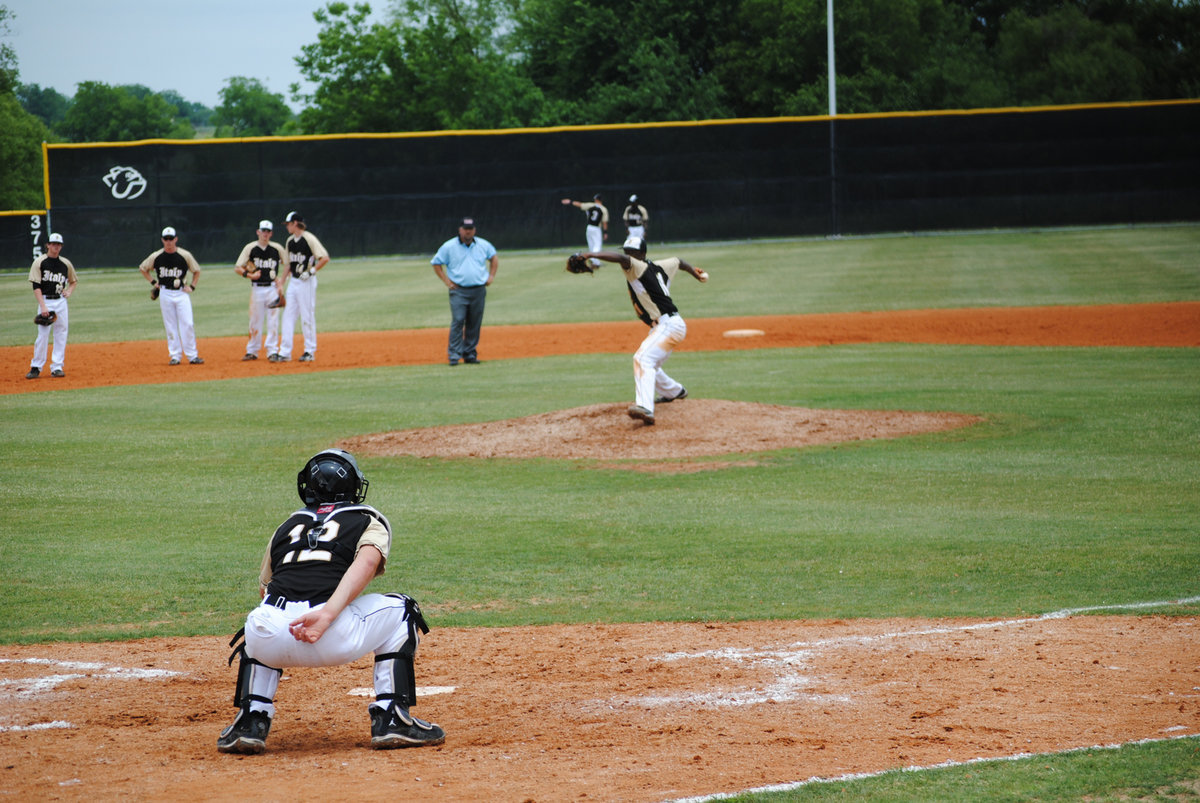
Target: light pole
<point>834,226</point>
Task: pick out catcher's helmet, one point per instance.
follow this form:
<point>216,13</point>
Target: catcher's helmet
<point>331,476</point>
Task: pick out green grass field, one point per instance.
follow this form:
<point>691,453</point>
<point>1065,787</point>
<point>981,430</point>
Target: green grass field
<point>143,511</point>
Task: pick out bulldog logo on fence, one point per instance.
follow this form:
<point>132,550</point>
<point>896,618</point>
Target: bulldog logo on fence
<point>126,183</point>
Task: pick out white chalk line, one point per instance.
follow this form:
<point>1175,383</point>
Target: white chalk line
<point>802,649</point>
<point>422,691</point>
<point>31,687</point>
<point>858,776</point>
<point>789,684</point>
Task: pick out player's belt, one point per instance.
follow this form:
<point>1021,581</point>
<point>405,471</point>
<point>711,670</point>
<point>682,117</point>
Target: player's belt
<point>280,601</point>
<point>50,297</point>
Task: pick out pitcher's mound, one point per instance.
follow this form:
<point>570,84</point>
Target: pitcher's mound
<point>688,428</point>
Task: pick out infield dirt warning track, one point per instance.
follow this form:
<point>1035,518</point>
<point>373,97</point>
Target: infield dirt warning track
<point>145,362</point>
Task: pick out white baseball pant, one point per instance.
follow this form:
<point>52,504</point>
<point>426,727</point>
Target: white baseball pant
<point>649,379</point>
<point>302,301</point>
<point>176,307</point>
<point>595,240</point>
<point>260,313</point>
<point>372,623</point>
<point>42,342</point>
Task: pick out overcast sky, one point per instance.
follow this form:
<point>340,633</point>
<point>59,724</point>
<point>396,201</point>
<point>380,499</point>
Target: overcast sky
<point>191,46</point>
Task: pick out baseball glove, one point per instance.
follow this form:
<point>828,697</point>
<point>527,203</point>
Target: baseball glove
<point>154,292</point>
<point>47,319</point>
<point>577,264</point>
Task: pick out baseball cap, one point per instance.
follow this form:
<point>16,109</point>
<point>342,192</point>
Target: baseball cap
<point>468,223</point>
<point>596,197</point>
<point>635,243</point>
<point>55,238</point>
<point>294,217</point>
<point>633,199</point>
<point>265,225</point>
<point>168,232</point>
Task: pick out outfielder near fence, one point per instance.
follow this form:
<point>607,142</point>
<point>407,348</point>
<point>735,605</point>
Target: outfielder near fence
<point>381,194</point>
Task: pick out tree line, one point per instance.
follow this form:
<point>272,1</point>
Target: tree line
<point>431,65</point>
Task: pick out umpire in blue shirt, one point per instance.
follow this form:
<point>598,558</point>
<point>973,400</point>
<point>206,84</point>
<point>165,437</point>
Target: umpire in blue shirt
<point>467,265</point>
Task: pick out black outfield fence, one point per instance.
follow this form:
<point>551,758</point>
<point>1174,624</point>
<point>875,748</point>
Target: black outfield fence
<point>856,174</point>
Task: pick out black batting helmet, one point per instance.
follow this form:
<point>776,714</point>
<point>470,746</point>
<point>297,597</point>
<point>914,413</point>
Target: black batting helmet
<point>331,476</point>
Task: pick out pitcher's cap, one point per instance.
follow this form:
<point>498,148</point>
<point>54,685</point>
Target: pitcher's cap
<point>168,232</point>
<point>265,225</point>
<point>294,217</point>
<point>55,238</point>
<point>635,243</point>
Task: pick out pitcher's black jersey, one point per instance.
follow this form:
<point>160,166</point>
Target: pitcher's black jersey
<point>649,288</point>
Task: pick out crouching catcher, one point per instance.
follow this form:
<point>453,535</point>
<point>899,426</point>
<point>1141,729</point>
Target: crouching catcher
<point>313,611</point>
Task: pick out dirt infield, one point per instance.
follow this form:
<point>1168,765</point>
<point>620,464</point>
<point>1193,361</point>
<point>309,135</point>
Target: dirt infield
<point>641,712</point>
<point>145,362</point>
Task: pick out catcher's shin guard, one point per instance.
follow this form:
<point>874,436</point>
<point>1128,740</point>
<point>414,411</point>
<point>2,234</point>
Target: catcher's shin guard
<point>256,682</point>
<point>395,680</point>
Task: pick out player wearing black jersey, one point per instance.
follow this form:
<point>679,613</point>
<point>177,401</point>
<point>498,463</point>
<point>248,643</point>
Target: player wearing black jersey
<point>649,288</point>
<point>168,269</point>
<point>636,218</point>
<point>261,262</point>
<point>53,279</point>
<point>313,612</point>
<point>597,222</point>
<point>306,256</point>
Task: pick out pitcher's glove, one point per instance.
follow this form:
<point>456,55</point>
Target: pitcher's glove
<point>47,319</point>
<point>154,292</point>
<point>577,264</point>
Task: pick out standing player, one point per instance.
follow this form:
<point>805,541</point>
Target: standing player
<point>169,266</point>
<point>53,279</point>
<point>649,284</point>
<point>261,262</point>
<point>317,564</point>
<point>306,256</point>
<point>597,222</point>
<point>636,217</point>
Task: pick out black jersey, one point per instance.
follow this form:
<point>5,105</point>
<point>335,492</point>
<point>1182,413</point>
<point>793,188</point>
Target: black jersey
<point>170,269</point>
<point>648,288</point>
<point>595,215</point>
<point>310,552</point>
<point>266,259</point>
<point>51,275</point>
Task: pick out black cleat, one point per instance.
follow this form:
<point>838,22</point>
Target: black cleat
<point>247,734</point>
<point>664,399</point>
<point>641,413</point>
<point>34,373</point>
<point>394,727</point>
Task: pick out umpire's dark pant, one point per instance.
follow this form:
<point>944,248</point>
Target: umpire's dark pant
<point>466,319</point>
